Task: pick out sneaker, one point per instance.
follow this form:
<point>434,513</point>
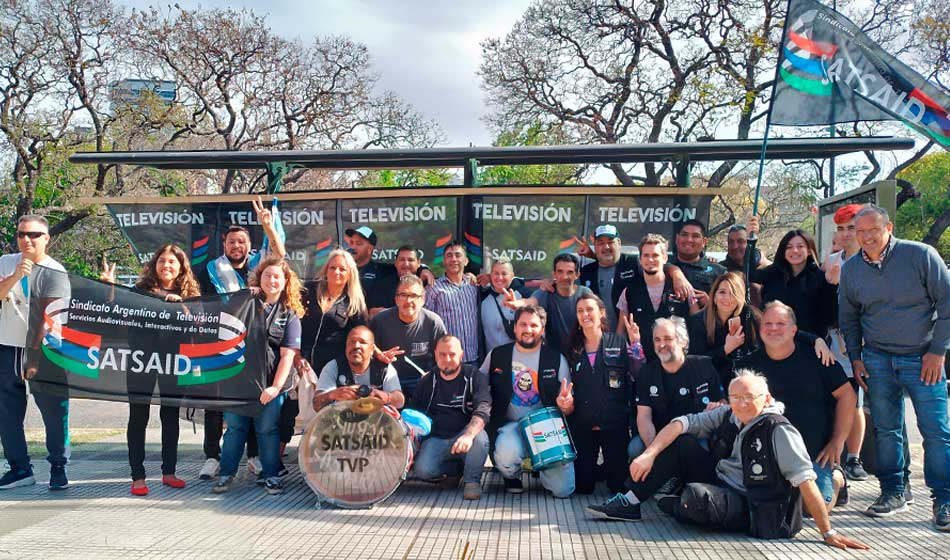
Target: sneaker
<point>210,469</point>
<point>254,465</point>
<point>942,517</point>
<point>617,508</point>
<point>17,478</point>
<point>854,470</point>
<point>472,491</point>
<point>223,485</point>
<point>282,470</point>
<point>260,480</point>
<point>672,487</point>
<point>886,505</point>
<point>57,478</point>
<point>513,485</point>
<point>908,493</point>
<point>274,486</point>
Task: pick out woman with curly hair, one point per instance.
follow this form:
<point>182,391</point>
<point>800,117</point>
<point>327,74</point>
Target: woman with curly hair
<point>282,309</point>
<point>166,275</point>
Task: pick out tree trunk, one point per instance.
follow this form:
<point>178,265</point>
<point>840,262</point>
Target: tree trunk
<point>939,226</point>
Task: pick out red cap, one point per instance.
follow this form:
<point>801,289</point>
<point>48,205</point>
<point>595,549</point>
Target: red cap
<point>846,213</point>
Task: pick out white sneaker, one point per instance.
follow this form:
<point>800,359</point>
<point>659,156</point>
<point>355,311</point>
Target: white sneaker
<point>209,470</point>
<point>254,465</point>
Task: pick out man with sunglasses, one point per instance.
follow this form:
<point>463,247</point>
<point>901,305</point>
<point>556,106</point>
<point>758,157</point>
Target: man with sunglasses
<point>408,333</point>
<point>20,276</point>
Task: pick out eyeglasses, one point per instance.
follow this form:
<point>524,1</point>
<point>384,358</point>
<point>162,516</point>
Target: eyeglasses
<point>30,234</point>
<point>744,398</point>
<point>408,296</point>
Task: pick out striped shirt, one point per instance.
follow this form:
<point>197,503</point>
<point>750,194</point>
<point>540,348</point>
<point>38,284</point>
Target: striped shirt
<point>457,304</point>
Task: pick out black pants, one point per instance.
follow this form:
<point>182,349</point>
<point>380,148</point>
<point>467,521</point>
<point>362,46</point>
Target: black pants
<point>214,429</point>
<point>288,419</point>
<point>140,389</point>
<point>705,500</point>
<point>588,444</point>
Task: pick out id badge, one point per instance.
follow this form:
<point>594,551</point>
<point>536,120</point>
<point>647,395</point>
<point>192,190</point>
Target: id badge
<point>613,380</point>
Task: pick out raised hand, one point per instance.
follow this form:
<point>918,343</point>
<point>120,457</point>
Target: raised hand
<point>633,329</point>
<point>107,274</point>
<point>264,216</point>
<point>565,399</point>
<point>511,301</point>
<point>389,356</point>
<point>585,250</point>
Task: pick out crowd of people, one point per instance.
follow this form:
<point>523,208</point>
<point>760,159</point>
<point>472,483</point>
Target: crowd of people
<point>737,403</point>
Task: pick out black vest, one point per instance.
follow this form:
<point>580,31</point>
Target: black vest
<point>628,267</point>
<point>639,298</point>
<point>603,393</point>
<point>345,377</point>
<point>499,375</point>
<point>775,506</point>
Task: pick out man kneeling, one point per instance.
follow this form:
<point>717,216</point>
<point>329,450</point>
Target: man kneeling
<point>754,478</point>
<point>457,398</point>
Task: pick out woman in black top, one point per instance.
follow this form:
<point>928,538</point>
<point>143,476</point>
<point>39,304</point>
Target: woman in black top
<point>602,373</point>
<point>795,279</point>
<point>728,328</point>
<point>166,275</point>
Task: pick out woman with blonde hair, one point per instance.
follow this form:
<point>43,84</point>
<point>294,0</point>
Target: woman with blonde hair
<point>282,309</point>
<point>167,275</point>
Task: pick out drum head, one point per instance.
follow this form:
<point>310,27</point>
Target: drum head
<point>355,460</point>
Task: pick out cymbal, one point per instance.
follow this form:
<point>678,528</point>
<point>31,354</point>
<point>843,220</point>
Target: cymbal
<point>366,405</point>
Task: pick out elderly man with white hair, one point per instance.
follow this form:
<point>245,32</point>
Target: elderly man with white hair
<point>754,478</point>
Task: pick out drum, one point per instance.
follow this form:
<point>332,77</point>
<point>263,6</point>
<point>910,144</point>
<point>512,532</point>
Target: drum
<point>355,459</point>
<point>548,438</point>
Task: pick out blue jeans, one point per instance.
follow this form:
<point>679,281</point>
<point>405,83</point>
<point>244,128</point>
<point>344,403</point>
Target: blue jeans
<point>435,458</point>
<point>13,401</point>
<point>888,376</point>
<point>511,451</point>
<point>268,439</point>
<point>825,481</point>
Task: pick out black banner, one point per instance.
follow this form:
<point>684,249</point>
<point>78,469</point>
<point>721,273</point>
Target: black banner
<point>89,339</point>
<point>528,227</point>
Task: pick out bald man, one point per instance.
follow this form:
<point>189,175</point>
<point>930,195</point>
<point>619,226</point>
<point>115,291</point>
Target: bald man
<point>358,367</point>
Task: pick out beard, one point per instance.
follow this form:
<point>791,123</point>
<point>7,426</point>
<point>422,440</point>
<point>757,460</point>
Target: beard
<point>529,343</point>
<point>651,272</point>
<point>450,372</point>
<point>667,357</point>
<point>236,261</point>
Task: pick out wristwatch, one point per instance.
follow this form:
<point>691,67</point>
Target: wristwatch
<point>829,533</point>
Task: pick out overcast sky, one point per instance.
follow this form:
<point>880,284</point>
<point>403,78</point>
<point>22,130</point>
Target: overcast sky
<point>426,51</point>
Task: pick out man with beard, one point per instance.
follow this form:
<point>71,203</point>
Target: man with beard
<point>457,399</point>
<point>525,376</point>
<point>340,376</point>
<point>650,296</point>
<point>610,273</point>
<point>408,333</point>
<point>674,385</point>
<point>379,279</point>
<point>690,257</point>
<point>227,274</point>
<point>455,299</point>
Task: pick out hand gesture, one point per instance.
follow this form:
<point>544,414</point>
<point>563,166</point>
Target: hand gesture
<point>511,300</point>
<point>24,268</point>
<point>108,271</point>
<point>585,250</point>
<point>633,329</point>
<point>389,356</point>
<point>462,444</point>
<point>264,216</point>
<point>565,400</point>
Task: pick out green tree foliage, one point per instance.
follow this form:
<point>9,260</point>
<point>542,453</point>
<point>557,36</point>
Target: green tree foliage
<point>534,134</point>
<point>926,218</point>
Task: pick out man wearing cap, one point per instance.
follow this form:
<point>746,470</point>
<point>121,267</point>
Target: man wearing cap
<point>378,279</point>
<point>609,274</point>
<point>691,258</point>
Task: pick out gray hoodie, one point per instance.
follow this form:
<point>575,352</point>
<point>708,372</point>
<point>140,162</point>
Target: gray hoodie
<point>790,451</point>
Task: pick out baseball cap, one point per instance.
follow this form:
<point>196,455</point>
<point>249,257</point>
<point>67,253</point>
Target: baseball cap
<point>606,230</point>
<point>365,232</point>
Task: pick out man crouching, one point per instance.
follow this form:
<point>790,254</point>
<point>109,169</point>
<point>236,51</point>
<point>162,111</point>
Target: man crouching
<point>754,478</point>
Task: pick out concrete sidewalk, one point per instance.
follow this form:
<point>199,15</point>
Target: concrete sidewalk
<point>98,518</point>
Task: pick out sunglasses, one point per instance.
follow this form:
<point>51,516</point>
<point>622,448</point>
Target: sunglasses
<point>30,234</point>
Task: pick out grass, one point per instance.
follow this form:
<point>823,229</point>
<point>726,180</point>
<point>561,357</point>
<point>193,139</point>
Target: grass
<point>36,439</point>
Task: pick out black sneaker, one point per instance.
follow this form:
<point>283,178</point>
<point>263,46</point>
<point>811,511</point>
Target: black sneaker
<point>57,478</point>
<point>908,493</point>
<point>282,470</point>
<point>260,480</point>
<point>617,508</point>
<point>14,478</point>
<point>886,505</point>
<point>273,486</point>
<point>513,486</point>
<point>672,487</point>
<point>223,485</point>
<point>942,517</point>
<point>854,470</point>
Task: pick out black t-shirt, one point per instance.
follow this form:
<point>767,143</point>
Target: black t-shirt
<point>687,391</point>
<point>805,386</point>
<point>379,281</point>
<point>446,410</point>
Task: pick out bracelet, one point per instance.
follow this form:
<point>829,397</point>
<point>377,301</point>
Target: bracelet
<point>829,533</point>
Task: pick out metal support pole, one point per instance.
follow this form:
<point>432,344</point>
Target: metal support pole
<point>470,173</point>
<point>683,172</point>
